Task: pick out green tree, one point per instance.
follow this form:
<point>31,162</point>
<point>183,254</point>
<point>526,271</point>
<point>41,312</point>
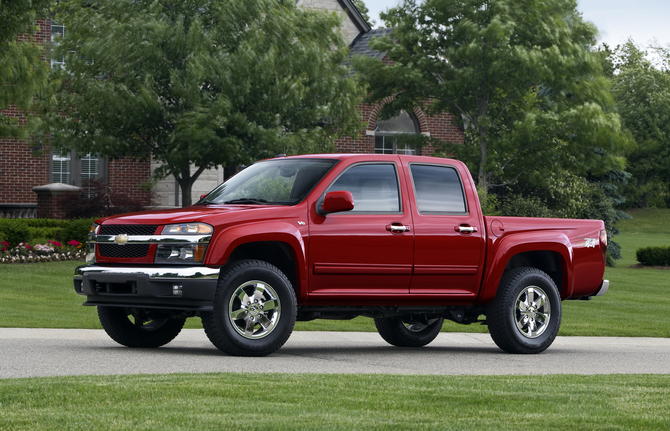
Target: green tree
<point>363,9</point>
<point>517,74</point>
<point>21,71</point>
<point>200,84</point>
<point>642,94</point>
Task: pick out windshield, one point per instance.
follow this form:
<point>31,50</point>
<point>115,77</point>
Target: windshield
<point>276,182</point>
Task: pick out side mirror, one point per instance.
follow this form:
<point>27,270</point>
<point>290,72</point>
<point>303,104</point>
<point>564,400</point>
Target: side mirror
<point>202,196</point>
<point>333,202</point>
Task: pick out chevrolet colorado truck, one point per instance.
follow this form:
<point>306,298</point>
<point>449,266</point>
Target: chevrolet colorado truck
<point>397,238</point>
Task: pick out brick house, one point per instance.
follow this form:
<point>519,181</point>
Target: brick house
<point>21,171</point>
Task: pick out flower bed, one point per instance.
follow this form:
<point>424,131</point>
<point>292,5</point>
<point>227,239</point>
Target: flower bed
<point>51,251</point>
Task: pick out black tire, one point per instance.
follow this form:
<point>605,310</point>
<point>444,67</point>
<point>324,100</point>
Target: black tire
<point>414,331</point>
<point>143,332</point>
<point>251,325</point>
<point>525,315</point>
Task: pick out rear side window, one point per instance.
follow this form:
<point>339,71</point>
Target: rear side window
<point>374,187</point>
<point>438,189</point>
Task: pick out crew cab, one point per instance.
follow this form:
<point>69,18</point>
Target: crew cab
<point>397,238</point>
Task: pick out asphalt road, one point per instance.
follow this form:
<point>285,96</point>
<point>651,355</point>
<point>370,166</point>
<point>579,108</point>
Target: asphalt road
<point>60,352</point>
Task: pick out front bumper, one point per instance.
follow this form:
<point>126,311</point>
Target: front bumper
<point>176,288</point>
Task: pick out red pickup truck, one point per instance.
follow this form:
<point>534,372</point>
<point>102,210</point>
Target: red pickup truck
<point>397,238</point>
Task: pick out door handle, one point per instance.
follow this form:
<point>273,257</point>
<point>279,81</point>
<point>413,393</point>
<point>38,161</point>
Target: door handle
<point>397,228</point>
<point>465,228</point>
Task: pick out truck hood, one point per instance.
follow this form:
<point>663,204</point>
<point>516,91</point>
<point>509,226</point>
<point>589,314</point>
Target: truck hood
<point>184,215</point>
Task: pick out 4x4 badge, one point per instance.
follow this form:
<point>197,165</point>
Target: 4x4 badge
<point>121,239</point>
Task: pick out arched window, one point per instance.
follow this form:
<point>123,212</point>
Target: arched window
<point>387,131</point>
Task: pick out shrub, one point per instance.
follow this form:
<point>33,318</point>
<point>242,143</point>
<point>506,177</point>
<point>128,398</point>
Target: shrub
<point>522,206</point>
<point>45,232</point>
<point>77,230</point>
<point>14,231</point>
<point>654,256</point>
<point>45,222</point>
<point>99,200</point>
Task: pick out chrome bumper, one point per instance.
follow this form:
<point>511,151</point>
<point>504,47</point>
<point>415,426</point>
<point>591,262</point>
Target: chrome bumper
<point>603,288</point>
<point>172,272</point>
<point>182,288</point>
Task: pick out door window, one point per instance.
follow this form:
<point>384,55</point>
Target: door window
<point>438,189</point>
<point>374,187</point>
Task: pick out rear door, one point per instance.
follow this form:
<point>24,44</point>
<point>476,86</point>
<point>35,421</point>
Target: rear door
<point>449,240</point>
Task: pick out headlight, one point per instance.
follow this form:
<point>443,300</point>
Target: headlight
<point>183,253</point>
<point>187,229</point>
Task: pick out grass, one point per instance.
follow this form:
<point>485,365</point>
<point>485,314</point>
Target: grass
<point>637,304</point>
<point>308,401</point>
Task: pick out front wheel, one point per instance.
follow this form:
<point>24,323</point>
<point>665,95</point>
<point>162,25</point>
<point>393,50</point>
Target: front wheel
<point>255,310</point>
<point>143,331</point>
<point>525,315</point>
<point>411,331</point>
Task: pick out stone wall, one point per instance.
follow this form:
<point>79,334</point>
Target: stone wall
<point>349,29</point>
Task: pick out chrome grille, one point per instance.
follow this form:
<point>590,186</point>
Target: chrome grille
<point>123,251</point>
<point>128,229</point>
<point>128,250</point>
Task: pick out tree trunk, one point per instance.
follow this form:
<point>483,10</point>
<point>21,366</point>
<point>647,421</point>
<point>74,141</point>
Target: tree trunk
<point>185,185</point>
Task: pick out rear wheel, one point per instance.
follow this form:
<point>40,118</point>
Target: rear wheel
<point>134,327</point>
<point>254,310</point>
<point>525,315</point>
<point>411,331</point>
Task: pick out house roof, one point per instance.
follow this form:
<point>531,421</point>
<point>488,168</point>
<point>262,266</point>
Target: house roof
<point>360,45</point>
<point>355,16</point>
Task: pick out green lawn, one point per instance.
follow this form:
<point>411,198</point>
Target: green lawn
<point>307,401</point>
<point>42,296</point>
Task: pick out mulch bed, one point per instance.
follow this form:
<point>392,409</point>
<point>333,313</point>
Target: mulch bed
<point>639,265</point>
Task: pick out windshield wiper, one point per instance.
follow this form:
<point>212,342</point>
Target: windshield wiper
<point>207,202</point>
<point>247,201</point>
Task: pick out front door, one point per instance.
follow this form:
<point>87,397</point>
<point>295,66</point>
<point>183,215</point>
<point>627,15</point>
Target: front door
<point>368,250</point>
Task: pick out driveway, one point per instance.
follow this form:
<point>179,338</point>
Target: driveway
<point>60,352</point>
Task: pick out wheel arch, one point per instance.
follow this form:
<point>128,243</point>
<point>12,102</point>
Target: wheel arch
<point>277,243</point>
<point>546,251</point>
<point>548,261</point>
<point>276,253</point>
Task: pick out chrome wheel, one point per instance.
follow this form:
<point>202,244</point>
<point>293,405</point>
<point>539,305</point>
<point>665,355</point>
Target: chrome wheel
<point>254,309</point>
<point>532,312</point>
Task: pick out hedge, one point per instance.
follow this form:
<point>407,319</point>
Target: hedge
<point>16,231</point>
<point>654,256</point>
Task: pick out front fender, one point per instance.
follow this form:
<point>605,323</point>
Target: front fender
<point>225,242</point>
<point>503,249</point>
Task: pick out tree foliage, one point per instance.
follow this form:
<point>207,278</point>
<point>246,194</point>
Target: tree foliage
<point>363,9</point>
<point>21,71</point>
<point>641,90</point>
<point>200,83</point>
<point>519,77</point>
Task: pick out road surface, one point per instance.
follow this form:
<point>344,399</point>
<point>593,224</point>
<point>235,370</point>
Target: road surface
<point>61,352</point>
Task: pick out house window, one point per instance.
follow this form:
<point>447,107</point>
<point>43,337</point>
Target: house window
<point>61,163</point>
<point>387,133</point>
<point>56,30</point>
<point>68,168</point>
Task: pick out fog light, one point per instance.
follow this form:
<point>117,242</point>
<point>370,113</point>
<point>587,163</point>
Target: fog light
<point>176,290</point>
<point>90,253</point>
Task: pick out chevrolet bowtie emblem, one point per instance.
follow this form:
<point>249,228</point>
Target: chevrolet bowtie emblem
<point>121,239</point>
